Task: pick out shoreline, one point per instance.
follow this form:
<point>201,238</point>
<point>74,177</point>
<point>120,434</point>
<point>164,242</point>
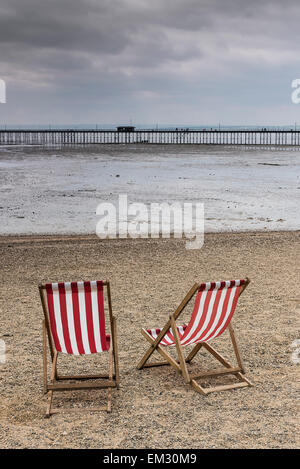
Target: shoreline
<point>90,236</point>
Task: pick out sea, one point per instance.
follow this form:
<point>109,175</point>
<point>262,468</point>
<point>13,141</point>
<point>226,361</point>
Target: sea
<point>53,190</point>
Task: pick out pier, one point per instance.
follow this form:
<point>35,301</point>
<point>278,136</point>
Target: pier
<point>59,137</point>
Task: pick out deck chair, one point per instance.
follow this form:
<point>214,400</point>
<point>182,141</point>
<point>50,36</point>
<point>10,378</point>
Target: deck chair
<point>74,322</point>
<point>212,314</point>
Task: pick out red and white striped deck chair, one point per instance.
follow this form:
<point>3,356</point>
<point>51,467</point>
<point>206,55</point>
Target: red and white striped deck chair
<point>214,307</point>
<point>74,321</point>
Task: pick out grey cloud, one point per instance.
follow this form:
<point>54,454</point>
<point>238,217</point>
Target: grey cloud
<point>132,53</point>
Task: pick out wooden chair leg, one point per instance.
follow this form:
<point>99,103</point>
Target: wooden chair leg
<point>45,379</point>
<point>217,355</point>
<point>149,352</point>
<point>198,388</point>
<point>50,398</point>
<point>52,377</point>
<point>59,386</point>
<point>242,377</point>
<point>236,348</point>
<point>183,366</point>
<point>162,352</point>
<point>115,352</point>
<point>193,352</point>
<point>237,371</point>
<point>109,391</point>
<point>164,330</point>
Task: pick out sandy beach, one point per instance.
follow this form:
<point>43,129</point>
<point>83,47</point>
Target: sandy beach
<point>154,408</point>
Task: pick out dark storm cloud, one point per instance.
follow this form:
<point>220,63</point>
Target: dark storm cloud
<point>107,57</point>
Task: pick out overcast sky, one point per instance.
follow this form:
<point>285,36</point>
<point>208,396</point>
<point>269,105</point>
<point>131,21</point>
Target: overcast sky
<point>190,62</point>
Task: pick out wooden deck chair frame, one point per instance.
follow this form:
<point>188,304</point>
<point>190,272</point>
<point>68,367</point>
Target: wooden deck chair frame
<point>180,365</point>
<point>59,382</point>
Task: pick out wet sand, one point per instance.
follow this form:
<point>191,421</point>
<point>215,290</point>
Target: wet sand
<point>57,191</point>
<point>154,408</point>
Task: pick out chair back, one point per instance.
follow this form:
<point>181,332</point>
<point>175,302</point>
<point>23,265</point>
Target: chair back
<point>76,317</point>
<point>214,306</point>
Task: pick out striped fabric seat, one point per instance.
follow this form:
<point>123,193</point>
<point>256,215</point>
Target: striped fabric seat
<point>213,309</point>
<point>168,338</point>
<point>76,314</point>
